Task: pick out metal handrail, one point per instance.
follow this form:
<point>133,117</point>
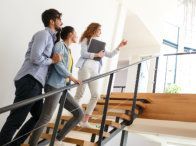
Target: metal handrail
<point>177,54</point>
<point>36,98</point>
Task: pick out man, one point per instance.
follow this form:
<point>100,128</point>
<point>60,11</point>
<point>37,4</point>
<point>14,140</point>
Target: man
<point>30,79</point>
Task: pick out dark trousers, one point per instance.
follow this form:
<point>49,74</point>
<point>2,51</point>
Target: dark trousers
<point>26,88</point>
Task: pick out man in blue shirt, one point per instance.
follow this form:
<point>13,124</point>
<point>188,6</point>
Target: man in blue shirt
<point>30,79</point>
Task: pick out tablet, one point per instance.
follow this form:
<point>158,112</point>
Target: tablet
<point>96,46</point>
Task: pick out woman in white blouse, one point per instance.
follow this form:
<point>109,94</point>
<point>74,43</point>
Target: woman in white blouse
<point>88,67</point>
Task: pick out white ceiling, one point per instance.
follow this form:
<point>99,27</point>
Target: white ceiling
<point>152,13</point>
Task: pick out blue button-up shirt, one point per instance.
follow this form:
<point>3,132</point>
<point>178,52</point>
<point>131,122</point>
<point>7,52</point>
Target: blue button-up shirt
<point>37,58</point>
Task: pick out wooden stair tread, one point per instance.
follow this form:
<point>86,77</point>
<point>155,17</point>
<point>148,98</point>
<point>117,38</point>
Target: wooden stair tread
<point>24,145</point>
<point>70,140</point>
<point>98,121</point>
<point>122,103</point>
<point>87,130</point>
<point>128,96</point>
<point>113,114</point>
<point>100,107</point>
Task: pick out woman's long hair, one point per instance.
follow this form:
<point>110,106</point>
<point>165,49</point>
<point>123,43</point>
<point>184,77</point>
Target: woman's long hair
<point>90,31</point>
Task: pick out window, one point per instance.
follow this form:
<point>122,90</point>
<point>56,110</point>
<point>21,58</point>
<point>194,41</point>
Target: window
<point>179,36</point>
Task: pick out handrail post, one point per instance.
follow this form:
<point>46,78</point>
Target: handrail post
<point>135,94</point>
<point>58,118</point>
<point>155,75</point>
<point>105,109</point>
<point>124,136</point>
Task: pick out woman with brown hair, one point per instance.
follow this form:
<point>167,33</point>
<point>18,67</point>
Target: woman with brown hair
<point>88,67</point>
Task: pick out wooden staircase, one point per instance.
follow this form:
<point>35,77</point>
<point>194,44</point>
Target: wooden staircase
<point>119,108</point>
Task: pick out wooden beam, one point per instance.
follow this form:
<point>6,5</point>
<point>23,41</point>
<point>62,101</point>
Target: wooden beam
<point>112,107</point>
<point>123,103</point>
<point>98,115</point>
<point>98,121</point>
<point>78,142</point>
<point>78,128</point>
<point>127,96</point>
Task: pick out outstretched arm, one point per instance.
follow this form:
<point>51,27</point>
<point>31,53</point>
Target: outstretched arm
<point>111,54</point>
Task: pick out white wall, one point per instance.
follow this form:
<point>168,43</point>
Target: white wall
<point>142,42</point>
<point>21,19</point>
